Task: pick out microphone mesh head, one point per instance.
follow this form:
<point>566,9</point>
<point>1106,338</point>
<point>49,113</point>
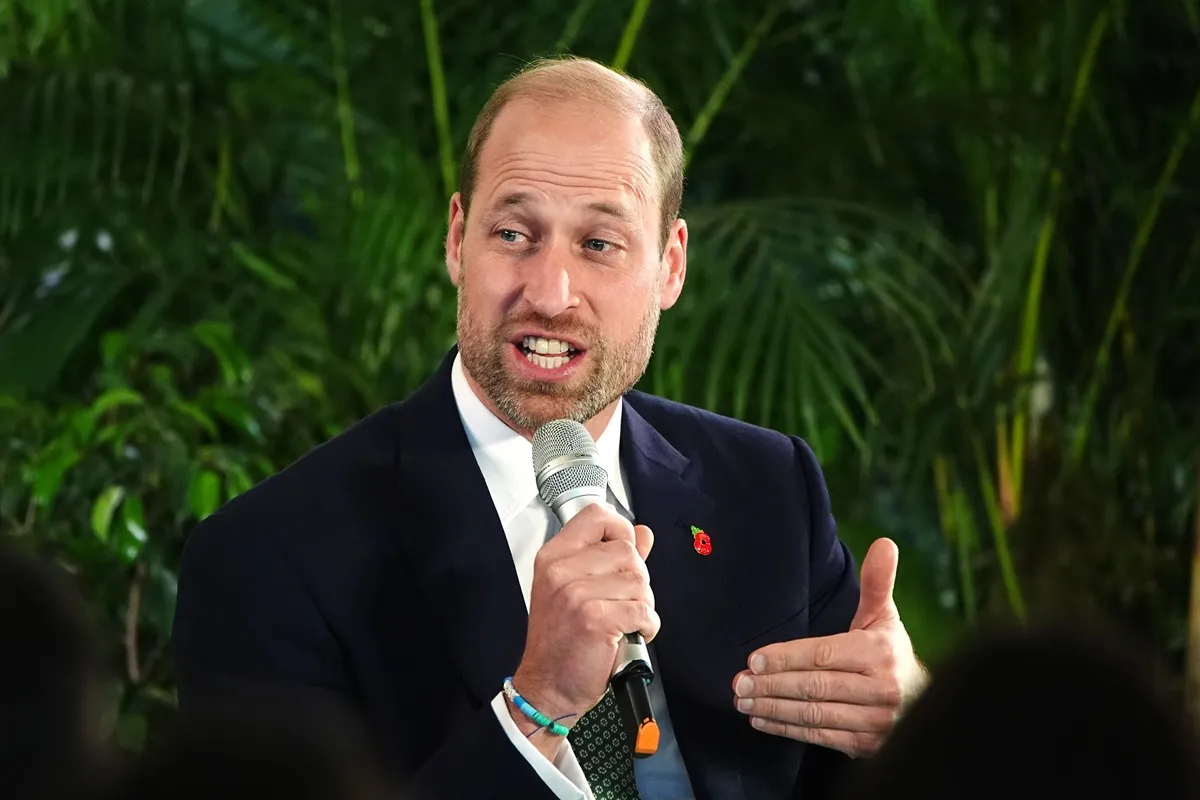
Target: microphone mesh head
<point>566,438</point>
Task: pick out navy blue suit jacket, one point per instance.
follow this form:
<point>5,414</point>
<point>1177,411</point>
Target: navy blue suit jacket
<point>375,571</point>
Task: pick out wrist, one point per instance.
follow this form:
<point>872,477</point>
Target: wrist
<point>534,708</point>
<point>548,734</point>
<point>542,696</point>
<point>529,729</point>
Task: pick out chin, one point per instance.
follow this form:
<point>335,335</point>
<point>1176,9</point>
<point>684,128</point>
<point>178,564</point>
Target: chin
<point>533,412</point>
<point>533,408</point>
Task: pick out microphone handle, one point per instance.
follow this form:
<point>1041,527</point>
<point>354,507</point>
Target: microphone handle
<point>631,688</point>
<point>632,672</point>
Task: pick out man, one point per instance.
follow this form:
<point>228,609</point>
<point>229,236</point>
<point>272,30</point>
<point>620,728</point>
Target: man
<point>408,567</point>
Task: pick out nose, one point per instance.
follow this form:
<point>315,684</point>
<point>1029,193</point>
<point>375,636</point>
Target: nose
<point>546,283</point>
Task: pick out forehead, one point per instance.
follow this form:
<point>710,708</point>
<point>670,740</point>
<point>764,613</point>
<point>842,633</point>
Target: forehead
<point>570,152</point>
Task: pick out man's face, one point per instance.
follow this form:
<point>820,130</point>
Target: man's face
<point>559,269</point>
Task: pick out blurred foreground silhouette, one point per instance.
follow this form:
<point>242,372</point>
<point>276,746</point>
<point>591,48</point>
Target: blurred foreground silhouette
<point>253,755</point>
<point>51,682</point>
<point>52,703</point>
<point>1058,709</point>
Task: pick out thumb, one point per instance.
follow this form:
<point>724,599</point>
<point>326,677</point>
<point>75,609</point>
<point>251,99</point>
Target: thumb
<point>643,540</point>
<point>877,582</point>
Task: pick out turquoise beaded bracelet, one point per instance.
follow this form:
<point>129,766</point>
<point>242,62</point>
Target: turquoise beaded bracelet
<point>531,712</point>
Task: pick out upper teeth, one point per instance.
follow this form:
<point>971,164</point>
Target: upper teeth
<point>546,346</point>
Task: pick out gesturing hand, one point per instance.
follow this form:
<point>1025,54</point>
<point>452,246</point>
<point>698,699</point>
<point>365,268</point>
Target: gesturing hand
<point>845,691</point>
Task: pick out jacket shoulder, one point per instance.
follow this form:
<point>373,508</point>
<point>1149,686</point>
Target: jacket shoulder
<point>330,488</point>
<point>694,430</point>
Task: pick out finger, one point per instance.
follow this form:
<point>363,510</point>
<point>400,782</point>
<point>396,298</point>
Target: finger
<point>853,651</point>
<point>821,686</point>
<point>597,523</point>
<point>851,743</point>
<point>834,716</point>
<point>644,540</point>
<point>605,558</point>
<point>616,618</point>
<point>876,585</point>
<point>621,586</point>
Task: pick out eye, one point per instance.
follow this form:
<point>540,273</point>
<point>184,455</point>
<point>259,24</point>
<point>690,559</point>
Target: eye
<point>598,245</point>
<point>510,236</point>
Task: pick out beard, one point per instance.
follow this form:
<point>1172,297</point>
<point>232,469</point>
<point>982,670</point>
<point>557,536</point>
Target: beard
<point>612,368</point>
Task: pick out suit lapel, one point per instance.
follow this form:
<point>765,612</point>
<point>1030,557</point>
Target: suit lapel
<point>463,559</point>
<point>697,649</point>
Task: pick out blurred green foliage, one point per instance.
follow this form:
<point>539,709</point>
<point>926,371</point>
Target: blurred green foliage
<point>953,245</point>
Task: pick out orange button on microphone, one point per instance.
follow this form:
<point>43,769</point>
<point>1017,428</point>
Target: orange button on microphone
<point>646,743</point>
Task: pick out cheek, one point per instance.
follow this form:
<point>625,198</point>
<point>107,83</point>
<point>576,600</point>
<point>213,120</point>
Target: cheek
<point>482,279</point>
<point>622,312</point>
<point>488,291</point>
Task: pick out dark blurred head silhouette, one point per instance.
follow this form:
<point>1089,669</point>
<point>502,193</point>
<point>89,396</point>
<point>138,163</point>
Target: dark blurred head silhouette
<point>50,681</point>
<point>259,752</point>
<point>1058,709</point>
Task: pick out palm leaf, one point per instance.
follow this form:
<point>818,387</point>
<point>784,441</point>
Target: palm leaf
<point>775,294</point>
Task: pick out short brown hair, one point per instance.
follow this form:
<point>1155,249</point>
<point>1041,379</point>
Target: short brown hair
<point>572,78</point>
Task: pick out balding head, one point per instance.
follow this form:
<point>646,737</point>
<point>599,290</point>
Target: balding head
<point>579,80</point>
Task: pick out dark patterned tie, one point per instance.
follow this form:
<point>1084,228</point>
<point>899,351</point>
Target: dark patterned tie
<point>604,752</point>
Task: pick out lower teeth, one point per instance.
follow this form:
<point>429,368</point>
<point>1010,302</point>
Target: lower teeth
<point>547,362</point>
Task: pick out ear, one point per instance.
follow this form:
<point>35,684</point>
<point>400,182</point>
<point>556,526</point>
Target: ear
<point>674,264</point>
<point>454,238</point>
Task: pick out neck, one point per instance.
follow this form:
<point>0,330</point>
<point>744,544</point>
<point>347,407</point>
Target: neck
<point>595,426</point>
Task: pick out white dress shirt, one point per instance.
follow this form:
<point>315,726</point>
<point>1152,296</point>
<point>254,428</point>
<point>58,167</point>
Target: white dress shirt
<point>506,460</point>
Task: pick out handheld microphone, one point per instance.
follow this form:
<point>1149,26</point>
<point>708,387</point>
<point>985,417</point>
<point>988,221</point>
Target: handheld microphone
<point>569,477</point>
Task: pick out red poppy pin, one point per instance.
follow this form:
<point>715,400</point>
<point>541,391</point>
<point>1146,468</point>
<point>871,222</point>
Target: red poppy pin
<point>701,541</point>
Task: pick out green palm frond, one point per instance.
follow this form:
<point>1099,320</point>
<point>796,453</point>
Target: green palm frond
<point>799,310</point>
<point>84,142</point>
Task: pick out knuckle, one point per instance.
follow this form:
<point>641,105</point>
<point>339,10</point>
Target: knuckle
<point>817,736</point>
<point>883,651</point>
<point>642,579</point>
<point>817,688</point>
<point>812,714</point>
<point>871,639</point>
<point>593,615</point>
<point>824,654</point>
<point>574,596</point>
<point>865,641</point>
<point>629,555</point>
<point>653,625</point>
<point>554,572</point>
<point>648,594</point>
<point>637,592</point>
<point>891,692</point>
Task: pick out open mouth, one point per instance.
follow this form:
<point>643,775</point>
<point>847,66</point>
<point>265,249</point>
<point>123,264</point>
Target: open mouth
<point>547,353</point>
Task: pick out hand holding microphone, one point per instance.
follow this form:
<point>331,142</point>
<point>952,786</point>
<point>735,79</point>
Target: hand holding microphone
<point>590,589</point>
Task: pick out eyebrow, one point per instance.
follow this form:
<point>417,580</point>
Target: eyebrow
<point>518,199</point>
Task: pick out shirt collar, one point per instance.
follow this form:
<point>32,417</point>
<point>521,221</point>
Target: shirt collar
<point>506,458</point>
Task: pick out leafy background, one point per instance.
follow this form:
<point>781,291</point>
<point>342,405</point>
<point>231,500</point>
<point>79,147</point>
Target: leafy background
<point>953,245</point>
